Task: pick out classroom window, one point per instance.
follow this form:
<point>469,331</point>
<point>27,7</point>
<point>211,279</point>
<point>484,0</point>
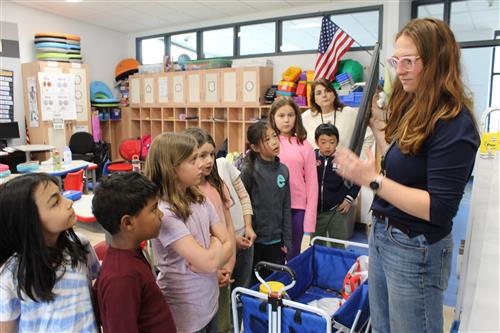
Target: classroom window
<point>257,38</point>
<point>362,27</point>
<point>153,50</point>
<point>495,76</point>
<point>476,74</point>
<point>218,43</point>
<point>301,34</point>
<point>183,44</point>
<point>431,10</point>
<point>473,20</point>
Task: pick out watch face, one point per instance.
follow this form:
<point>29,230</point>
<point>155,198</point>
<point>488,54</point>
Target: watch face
<point>374,185</point>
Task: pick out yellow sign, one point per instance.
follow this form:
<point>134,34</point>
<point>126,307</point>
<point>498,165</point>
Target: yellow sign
<point>490,142</point>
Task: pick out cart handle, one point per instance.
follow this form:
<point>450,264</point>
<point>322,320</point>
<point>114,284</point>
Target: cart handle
<point>277,268</point>
<point>339,241</point>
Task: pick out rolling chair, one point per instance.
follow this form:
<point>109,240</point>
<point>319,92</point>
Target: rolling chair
<point>82,146</point>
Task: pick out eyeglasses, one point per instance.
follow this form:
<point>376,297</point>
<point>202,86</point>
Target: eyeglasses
<point>407,62</point>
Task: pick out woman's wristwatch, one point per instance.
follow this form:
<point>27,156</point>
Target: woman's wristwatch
<point>376,183</point>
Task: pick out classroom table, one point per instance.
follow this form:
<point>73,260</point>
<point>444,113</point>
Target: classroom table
<point>28,149</point>
<point>83,209</point>
<point>70,167</point>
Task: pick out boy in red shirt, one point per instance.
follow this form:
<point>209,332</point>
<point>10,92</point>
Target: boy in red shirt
<point>129,299</point>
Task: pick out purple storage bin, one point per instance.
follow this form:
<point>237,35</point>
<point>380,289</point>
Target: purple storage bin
<point>300,100</point>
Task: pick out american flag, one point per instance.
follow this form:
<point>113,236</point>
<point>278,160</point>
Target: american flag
<point>333,43</point>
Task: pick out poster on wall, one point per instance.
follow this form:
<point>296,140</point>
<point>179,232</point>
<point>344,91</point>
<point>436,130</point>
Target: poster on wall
<point>6,95</point>
<point>32,102</point>
<point>57,96</point>
<point>80,93</point>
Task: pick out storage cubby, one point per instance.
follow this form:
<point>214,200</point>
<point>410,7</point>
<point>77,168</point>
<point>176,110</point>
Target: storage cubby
<point>135,113</point>
<point>135,128</point>
<point>155,113</point>
<point>235,131</point>
<point>145,113</point>
<point>219,133</point>
<point>209,127</point>
<point>145,127</point>
<point>220,114</point>
<point>168,126</point>
<point>252,114</point>
<point>179,126</point>
<point>192,115</point>
<point>206,114</point>
<point>168,114</point>
<point>264,112</point>
<point>155,128</point>
<point>235,114</point>
<point>180,114</point>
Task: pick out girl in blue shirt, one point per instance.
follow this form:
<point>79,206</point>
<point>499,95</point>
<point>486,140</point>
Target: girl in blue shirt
<point>45,268</point>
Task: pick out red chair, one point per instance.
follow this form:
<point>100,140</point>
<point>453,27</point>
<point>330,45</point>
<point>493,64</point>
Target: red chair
<point>128,149</point>
<point>74,181</point>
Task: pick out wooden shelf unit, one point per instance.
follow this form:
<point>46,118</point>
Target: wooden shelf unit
<point>222,101</point>
<point>212,119</point>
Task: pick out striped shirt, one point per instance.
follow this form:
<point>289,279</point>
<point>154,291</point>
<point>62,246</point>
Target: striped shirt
<point>70,311</point>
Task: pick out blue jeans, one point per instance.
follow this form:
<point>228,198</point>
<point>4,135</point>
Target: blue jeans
<point>407,280</point>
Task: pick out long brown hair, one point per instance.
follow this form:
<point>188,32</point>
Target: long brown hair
<point>167,152</point>
<point>213,179</point>
<point>413,117</point>
<point>337,104</point>
<point>298,129</point>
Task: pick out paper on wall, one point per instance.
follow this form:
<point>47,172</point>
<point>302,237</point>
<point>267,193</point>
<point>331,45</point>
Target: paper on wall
<point>80,128</point>
<point>148,90</point>
<point>57,96</point>
<point>80,93</point>
<point>32,102</point>
<point>135,91</point>
<point>163,89</point>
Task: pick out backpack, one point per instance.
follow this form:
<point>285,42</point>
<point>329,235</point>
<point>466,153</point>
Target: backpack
<point>139,146</point>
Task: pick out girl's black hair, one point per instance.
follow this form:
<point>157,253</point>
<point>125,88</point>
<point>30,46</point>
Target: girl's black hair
<point>214,178</point>
<point>21,237</point>
<point>255,136</point>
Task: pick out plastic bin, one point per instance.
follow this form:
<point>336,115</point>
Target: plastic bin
<point>353,99</point>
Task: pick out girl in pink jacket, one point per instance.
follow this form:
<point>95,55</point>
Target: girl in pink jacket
<point>298,155</point>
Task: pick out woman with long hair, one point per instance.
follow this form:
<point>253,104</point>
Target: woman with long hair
<point>430,141</point>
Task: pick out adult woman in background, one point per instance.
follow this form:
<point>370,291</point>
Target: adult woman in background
<point>431,140</point>
<point>327,107</point>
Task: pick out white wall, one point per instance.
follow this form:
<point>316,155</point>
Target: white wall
<point>102,49</point>
<point>395,15</point>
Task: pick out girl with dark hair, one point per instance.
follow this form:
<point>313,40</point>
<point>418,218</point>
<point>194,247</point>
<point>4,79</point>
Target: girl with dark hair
<point>267,182</point>
<point>46,270</point>
<point>298,155</point>
<point>430,141</point>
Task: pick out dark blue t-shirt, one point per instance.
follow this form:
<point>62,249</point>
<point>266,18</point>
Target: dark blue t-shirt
<point>442,167</point>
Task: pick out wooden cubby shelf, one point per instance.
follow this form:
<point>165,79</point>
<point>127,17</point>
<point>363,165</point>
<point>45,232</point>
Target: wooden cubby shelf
<point>217,100</point>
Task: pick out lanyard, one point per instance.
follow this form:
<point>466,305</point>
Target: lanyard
<point>334,117</point>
